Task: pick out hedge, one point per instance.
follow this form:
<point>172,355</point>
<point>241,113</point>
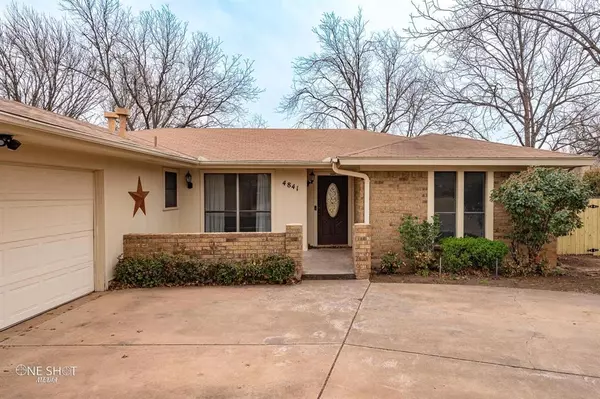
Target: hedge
<point>472,253</point>
<point>184,270</point>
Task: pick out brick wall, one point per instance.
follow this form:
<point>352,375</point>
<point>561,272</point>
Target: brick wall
<point>359,200</point>
<point>361,249</point>
<point>215,246</point>
<point>393,195</point>
<point>502,223</point>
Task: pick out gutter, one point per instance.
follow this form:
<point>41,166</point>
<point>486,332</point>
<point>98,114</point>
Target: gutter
<point>343,172</point>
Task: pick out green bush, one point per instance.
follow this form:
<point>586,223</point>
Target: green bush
<point>182,270</point>
<point>543,203</point>
<point>390,263</point>
<point>592,179</point>
<point>472,253</point>
<point>418,241</point>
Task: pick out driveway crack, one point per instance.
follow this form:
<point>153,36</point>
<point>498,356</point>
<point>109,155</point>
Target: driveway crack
<point>362,299</point>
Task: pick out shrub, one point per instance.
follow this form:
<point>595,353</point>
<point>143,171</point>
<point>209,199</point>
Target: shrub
<point>418,241</point>
<point>181,270</point>
<point>472,253</point>
<point>592,179</point>
<point>390,263</point>
<point>542,203</point>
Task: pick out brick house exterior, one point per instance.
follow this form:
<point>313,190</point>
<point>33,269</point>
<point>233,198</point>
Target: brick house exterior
<point>88,186</point>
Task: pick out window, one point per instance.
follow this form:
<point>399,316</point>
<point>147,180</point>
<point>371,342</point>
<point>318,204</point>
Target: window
<point>237,202</point>
<point>170,189</point>
<point>474,225</point>
<point>445,202</point>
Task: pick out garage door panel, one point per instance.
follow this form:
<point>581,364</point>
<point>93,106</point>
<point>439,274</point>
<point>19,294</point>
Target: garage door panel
<point>24,260</point>
<point>29,297</point>
<point>46,240</point>
<point>79,280</point>
<point>23,220</point>
<point>29,183</point>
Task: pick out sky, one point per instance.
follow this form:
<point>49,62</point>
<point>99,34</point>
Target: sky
<point>270,32</point>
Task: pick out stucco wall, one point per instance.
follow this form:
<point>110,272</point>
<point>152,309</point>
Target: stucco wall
<point>120,177</point>
<point>289,205</point>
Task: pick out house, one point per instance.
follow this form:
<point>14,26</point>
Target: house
<point>73,190</point>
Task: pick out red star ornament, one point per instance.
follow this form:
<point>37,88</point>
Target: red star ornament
<point>139,196</point>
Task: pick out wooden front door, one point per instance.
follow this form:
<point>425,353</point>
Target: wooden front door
<point>332,210</point>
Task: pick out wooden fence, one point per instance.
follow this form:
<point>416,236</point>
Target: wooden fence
<point>585,240</point>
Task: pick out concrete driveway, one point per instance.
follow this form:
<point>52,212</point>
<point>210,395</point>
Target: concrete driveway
<point>329,339</point>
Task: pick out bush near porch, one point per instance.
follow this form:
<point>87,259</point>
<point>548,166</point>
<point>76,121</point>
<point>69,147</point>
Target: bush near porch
<point>156,270</point>
<point>422,248</point>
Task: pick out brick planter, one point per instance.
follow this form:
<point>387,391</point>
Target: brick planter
<point>220,246</point>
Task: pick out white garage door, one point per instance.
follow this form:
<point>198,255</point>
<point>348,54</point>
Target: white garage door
<point>46,239</point>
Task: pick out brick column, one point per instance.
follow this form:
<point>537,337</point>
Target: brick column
<point>293,246</point>
<point>361,250</point>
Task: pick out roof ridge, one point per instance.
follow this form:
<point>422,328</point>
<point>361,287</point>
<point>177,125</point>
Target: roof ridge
<point>491,142</point>
<point>400,140</point>
<point>151,144</point>
<point>403,139</point>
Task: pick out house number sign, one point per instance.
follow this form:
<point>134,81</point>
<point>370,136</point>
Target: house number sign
<point>291,185</point>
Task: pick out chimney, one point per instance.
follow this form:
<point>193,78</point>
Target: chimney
<point>112,121</point>
<point>123,113</point>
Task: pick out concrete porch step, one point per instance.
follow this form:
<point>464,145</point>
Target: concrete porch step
<point>330,276</point>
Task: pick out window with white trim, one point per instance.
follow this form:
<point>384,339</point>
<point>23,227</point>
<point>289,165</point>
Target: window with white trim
<point>474,206</point>
<point>237,202</point>
<point>445,202</point>
<point>460,216</point>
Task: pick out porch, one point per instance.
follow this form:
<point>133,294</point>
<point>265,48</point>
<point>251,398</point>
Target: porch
<point>328,264</point>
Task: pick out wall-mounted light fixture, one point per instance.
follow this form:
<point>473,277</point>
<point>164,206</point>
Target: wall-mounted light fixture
<point>6,140</point>
<point>188,179</point>
<point>311,178</point>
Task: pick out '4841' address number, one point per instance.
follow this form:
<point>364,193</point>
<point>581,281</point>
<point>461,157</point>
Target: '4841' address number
<point>291,185</point>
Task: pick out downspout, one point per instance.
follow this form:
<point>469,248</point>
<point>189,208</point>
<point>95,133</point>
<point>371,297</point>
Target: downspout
<point>336,169</point>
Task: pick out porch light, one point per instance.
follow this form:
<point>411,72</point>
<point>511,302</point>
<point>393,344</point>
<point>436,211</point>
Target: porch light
<point>311,178</point>
<point>188,180</point>
<point>6,140</point>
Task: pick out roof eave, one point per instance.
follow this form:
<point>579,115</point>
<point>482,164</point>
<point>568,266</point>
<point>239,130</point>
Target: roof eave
<point>34,124</point>
<point>570,161</point>
<point>264,163</point>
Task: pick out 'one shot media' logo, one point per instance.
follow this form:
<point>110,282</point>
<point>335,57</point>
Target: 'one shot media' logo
<point>45,374</point>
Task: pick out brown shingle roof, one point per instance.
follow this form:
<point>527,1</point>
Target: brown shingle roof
<point>280,145</point>
<point>291,145</point>
<point>432,146</point>
<point>85,129</point>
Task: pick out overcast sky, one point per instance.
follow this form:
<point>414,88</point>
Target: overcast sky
<point>271,32</point>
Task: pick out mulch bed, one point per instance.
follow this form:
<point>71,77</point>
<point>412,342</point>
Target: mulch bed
<point>579,274</point>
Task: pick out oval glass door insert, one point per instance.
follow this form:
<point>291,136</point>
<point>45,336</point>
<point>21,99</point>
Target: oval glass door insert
<point>332,199</point>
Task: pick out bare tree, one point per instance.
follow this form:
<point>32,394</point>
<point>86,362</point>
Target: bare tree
<point>256,121</point>
<point>360,81</point>
<point>38,56</point>
<point>577,20</point>
<point>513,76</point>
<point>166,75</point>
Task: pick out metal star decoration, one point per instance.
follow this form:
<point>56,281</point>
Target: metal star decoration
<point>139,196</point>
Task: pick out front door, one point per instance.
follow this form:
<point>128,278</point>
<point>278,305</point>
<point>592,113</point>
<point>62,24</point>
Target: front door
<point>332,210</point>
